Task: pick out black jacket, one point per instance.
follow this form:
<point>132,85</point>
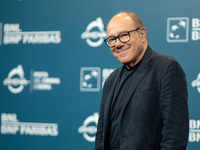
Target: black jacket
<point>154,115</point>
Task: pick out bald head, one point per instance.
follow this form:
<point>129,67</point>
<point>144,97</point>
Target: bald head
<point>128,15</point>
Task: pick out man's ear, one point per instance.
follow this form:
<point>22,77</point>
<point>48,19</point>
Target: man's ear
<point>143,33</point>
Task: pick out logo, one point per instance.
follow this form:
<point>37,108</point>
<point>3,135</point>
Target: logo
<point>39,80</point>
<point>90,79</point>
<point>42,81</point>
<point>177,29</point>
<point>15,80</point>
<point>196,83</point>
<point>89,127</point>
<point>194,135</point>
<point>94,38</point>
<point>14,35</point>
<point>195,29</point>
<point>11,125</point>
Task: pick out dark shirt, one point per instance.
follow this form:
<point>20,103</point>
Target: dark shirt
<point>121,89</point>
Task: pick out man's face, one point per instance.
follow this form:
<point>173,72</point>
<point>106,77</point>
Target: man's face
<point>131,52</point>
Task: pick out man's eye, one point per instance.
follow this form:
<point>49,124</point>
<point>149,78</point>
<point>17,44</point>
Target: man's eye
<point>111,39</point>
<point>124,35</point>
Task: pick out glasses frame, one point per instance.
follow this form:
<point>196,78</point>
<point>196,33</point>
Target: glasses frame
<point>117,37</point>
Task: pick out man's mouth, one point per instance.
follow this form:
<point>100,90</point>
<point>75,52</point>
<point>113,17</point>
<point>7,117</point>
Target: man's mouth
<point>119,51</point>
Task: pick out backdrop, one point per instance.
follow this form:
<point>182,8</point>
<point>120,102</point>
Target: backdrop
<point>53,63</point>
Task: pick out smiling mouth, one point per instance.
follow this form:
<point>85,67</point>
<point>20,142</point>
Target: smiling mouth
<point>119,51</point>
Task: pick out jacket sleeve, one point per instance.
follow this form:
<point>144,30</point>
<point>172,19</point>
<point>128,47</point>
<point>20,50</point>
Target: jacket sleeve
<point>174,107</point>
<point>100,125</point>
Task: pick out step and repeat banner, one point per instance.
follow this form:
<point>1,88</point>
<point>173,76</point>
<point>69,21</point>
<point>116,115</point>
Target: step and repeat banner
<point>53,64</point>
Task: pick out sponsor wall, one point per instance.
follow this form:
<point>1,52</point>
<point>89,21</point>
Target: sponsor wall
<point>53,64</point>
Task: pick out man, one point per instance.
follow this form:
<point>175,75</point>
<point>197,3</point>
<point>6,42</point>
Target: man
<point>144,102</point>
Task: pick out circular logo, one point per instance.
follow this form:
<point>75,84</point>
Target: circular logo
<point>87,129</point>
<point>89,34</point>
<point>15,80</point>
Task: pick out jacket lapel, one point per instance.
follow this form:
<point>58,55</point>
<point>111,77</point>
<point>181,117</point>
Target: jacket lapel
<point>109,98</point>
<point>138,76</point>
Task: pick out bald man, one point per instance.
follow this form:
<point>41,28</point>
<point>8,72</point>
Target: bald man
<point>144,102</point>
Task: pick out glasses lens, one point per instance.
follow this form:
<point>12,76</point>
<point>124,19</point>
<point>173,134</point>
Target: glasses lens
<point>111,41</point>
<point>124,37</point>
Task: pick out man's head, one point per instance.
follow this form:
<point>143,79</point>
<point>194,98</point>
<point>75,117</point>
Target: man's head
<point>128,51</point>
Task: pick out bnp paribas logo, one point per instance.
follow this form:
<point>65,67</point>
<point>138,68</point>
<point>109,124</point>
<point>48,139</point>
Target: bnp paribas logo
<point>12,34</point>
<point>177,29</point>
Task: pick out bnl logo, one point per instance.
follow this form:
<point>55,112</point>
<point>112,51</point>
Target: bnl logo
<point>90,79</point>
<point>177,29</point>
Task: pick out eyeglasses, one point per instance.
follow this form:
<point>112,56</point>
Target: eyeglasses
<point>123,37</point>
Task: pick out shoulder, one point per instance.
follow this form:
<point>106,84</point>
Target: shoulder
<point>168,67</point>
<point>163,58</point>
<point>158,60</point>
<point>165,62</point>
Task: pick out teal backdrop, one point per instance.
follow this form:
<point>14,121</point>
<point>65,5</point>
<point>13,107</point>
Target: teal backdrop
<point>53,63</point>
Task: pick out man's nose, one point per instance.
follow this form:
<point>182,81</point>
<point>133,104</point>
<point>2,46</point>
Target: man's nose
<point>118,43</point>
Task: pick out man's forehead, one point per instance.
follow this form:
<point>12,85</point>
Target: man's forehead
<point>121,17</point>
<point>120,23</point>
